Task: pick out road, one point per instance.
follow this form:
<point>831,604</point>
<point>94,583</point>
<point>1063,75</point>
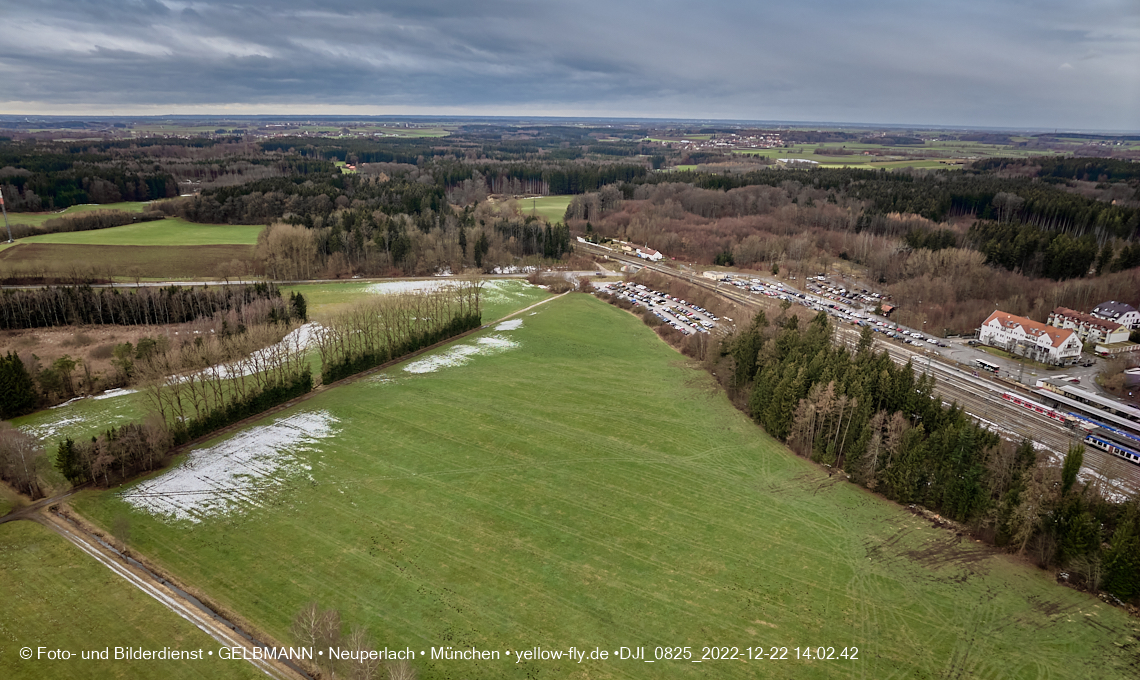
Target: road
<point>979,396</point>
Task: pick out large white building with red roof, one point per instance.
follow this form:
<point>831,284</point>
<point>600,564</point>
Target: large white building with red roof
<point>1031,339</point>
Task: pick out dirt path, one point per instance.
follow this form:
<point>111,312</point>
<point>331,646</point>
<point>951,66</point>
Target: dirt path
<point>175,601</point>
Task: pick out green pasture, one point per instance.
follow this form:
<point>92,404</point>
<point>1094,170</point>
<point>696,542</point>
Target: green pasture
<point>553,208</point>
<point>52,595</point>
<point>172,231</point>
<point>126,263</point>
<point>589,487</point>
<point>82,419</point>
<point>36,219</point>
<point>499,297</point>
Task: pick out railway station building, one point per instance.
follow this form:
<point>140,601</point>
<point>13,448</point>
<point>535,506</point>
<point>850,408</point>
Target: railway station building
<point>1031,339</point>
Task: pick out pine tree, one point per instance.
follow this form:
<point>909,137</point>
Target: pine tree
<point>17,389</point>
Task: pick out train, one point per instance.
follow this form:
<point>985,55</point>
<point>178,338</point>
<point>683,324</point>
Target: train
<point>1036,407</point>
<point>1119,443</point>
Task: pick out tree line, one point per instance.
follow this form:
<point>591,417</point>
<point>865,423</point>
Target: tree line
<point>858,411</point>
<point>386,327</point>
<point>81,305</point>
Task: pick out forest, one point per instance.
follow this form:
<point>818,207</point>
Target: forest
<point>1026,234</point>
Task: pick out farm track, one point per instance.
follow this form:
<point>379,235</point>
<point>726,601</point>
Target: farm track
<point>979,397</point>
<point>177,602</point>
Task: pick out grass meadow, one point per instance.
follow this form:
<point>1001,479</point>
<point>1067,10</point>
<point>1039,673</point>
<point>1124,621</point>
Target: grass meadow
<point>54,596</point>
<point>172,231</point>
<point>126,262</point>
<point>585,486</point>
<point>553,208</point>
<point>85,418</point>
<point>37,219</point>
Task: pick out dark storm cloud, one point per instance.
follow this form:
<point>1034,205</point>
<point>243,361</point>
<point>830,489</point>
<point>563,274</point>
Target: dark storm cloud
<point>972,63</point>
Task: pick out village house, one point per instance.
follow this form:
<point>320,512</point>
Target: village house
<point>1118,312</point>
<point>1089,328</point>
<point>1031,339</point>
<point>648,253</point>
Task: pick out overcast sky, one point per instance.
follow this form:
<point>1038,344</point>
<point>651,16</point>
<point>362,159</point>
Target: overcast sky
<point>1001,63</point>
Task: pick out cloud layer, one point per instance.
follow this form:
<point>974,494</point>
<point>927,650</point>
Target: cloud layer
<point>1011,63</point>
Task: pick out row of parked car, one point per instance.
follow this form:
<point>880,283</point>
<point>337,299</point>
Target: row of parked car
<point>907,336</point>
<point>685,317</point>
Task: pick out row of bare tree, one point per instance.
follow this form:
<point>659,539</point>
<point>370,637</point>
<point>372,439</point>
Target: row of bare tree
<point>388,326</point>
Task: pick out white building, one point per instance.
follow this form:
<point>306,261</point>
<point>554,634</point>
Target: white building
<point>1089,328</point>
<point>648,253</point>
<point>1125,315</point>
<point>1028,338</point>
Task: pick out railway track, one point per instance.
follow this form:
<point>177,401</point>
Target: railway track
<point>979,397</point>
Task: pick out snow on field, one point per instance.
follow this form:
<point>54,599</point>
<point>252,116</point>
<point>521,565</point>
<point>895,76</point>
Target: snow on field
<point>233,475</point>
<point>511,325</point>
<point>458,355</point>
<point>48,431</point>
<point>297,341</point>
<point>111,394</point>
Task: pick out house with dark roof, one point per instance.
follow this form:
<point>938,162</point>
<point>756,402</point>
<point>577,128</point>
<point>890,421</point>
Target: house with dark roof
<point>1118,312</point>
<point>1089,328</point>
<point>1031,339</point>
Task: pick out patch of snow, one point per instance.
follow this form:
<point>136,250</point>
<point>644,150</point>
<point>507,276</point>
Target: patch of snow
<point>48,431</point>
<point>69,401</point>
<point>513,324</point>
<point>297,341</point>
<point>117,392</point>
<point>232,475</point>
<point>459,355</point>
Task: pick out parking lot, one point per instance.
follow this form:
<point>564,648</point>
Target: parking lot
<point>680,314</point>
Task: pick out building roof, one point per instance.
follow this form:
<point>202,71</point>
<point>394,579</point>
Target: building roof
<point>1086,319</point>
<point>1055,336</point>
<point>648,251</point>
<point>1113,309</point>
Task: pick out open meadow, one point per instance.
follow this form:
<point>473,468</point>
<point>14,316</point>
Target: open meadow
<point>54,596</point>
<point>566,479</point>
<point>39,218</point>
<point>126,262</point>
<point>87,417</point>
<point>172,231</point>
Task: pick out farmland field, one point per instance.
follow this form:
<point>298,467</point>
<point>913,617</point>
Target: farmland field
<point>125,261</point>
<point>85,418</point>
<point>172,231</point>
<point>54,596</point>
<point>571,481</point>
<point>37,219</point>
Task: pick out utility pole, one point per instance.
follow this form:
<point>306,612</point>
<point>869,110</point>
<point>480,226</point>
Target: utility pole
<point>5,210</point>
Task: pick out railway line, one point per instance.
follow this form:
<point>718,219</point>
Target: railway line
<point>979,396</point>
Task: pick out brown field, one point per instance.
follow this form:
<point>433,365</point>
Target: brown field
<point>125,262</point>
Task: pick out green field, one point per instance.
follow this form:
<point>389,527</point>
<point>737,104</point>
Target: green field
<point>54,596</point>
<point>499,298</point>
<point>553,208</point>
<point>172,231</point>
<point>163,262</point>
<point>85,418</point>
<point>584,486</point>
<point>81,419</point>
<point>37,219</point>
